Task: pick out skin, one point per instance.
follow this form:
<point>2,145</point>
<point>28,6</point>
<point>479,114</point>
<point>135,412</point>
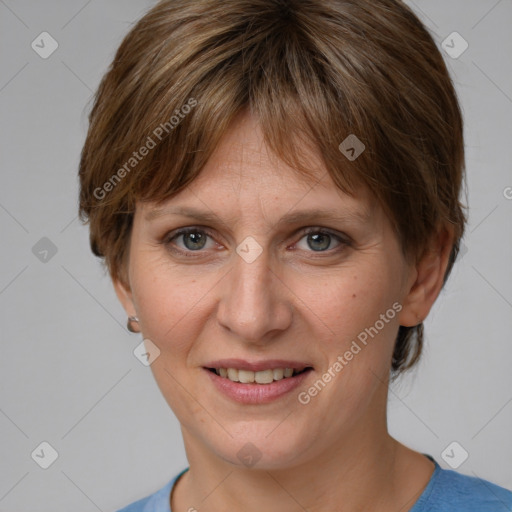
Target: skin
<point>292,302</point>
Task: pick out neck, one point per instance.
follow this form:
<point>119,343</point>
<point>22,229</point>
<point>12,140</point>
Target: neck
<point>363,469</point>
<point>376,473</point>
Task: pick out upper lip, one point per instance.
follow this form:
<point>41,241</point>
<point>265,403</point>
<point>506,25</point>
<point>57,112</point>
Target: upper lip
<point>256,366</point>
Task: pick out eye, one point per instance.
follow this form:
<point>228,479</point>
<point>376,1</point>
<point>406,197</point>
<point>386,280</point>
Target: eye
<point>192,240</point>
<point>319,240</point>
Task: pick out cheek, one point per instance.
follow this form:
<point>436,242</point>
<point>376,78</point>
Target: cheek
<point>348,300</point>
<point>169,300</point>
<point>353,334</point>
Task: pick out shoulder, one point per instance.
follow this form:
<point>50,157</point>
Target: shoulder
<point>449,491</point>
<point>156,502</point>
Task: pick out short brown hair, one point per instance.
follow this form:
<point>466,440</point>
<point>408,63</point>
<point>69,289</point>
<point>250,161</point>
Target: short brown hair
<point>312,71</point>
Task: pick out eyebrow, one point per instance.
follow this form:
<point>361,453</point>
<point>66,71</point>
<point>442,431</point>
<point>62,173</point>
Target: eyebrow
<point>294,217</point>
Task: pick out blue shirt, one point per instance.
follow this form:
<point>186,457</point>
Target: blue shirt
<point>447,491</point>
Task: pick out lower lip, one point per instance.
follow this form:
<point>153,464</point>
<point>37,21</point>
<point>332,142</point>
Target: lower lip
<point>256,393</point>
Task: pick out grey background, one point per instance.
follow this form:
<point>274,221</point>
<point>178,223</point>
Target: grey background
<point>67,369</point>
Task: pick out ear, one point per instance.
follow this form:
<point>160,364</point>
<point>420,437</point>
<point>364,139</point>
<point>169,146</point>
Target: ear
<point>426,278</point>
<point>124,294</point>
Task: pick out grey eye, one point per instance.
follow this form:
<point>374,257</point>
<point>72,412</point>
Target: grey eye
<point>317,240</point>
<point>194,240</point>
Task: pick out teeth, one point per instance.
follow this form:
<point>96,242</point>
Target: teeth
<point>233,374</point>
<point>245,376</point>
<point>278,373</point>
<point>261,377</point>
<point>264,377</point>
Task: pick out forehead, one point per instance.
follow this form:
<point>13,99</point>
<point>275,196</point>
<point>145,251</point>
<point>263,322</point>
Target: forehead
<point>243,177</point>
<point>242,153</point>
<point>243,163</point>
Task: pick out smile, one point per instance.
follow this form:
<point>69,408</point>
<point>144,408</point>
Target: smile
<point>256,383</point>
<point>260,377</point>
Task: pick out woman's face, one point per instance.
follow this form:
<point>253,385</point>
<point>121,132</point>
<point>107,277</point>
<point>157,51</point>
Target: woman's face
<point>262,282</point>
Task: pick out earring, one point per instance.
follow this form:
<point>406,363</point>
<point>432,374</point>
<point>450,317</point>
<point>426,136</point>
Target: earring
<point>129,325</point>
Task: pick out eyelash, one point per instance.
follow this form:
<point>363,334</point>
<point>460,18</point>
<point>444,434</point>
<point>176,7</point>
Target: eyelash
<point>344,242</point>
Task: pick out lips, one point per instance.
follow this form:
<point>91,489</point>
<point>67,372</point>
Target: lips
<point>261,372</point>
<point>256,366</point>
<point>261,377</point>
<point>256,382</point>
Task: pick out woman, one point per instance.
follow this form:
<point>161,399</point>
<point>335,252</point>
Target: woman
<point>274,187</point>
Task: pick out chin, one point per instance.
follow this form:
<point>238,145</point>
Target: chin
<point>262,449</point>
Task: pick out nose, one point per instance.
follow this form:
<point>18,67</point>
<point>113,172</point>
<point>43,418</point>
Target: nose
<point>255,304</point>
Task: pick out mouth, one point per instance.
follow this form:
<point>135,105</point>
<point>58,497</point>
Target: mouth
<point>267,376</point>
<point>256,383</point>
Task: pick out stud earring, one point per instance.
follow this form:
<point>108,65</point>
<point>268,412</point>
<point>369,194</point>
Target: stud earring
<point>129,325</point>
